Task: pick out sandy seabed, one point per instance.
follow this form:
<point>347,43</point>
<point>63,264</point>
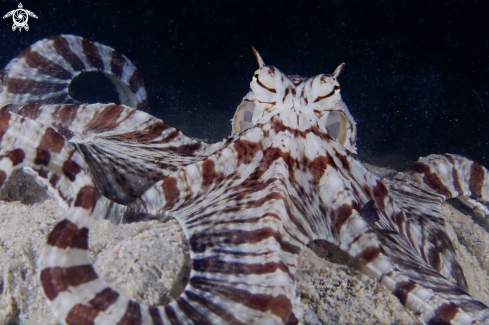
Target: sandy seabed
<point>148,261</point>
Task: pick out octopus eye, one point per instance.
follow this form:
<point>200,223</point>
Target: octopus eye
<point>336,86</point>
<point>266,84</point>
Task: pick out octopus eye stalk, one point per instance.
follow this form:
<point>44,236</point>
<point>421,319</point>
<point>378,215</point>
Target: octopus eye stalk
<point>259,60</point>
<point>337,71</point>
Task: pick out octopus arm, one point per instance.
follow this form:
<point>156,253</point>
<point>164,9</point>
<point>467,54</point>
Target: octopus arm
<point>126,150</point>
<point>243,255</point>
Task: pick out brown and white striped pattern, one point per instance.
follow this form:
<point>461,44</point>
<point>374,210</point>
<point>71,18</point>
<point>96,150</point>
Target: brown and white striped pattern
<point>105,133</point>
<point>43,72</point>
<point>247,205</point>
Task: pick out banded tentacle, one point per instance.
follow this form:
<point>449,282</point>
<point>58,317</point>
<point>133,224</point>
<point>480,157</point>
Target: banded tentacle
<point>127,150</point>
<point>421,188</point>
<point>414,238</point>
<point>64,265</point>
<point>43,72</point>
<point>441,177</point>
<point>245,241</point>
<point>356,213</point>
<point>245,233</point>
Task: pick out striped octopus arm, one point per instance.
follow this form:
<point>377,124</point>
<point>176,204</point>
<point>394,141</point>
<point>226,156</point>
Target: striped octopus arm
<point>442,177</point>
<point>127,150</point>
<point>358,212</point>
<point>243,250</point>
<point>44,71</point>
<point>420,190</point>
<point>411,229</point>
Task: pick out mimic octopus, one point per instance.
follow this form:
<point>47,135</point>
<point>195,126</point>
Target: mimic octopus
<point>287,176</point>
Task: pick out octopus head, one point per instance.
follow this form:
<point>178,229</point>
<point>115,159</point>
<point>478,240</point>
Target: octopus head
<point>316,100</point>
